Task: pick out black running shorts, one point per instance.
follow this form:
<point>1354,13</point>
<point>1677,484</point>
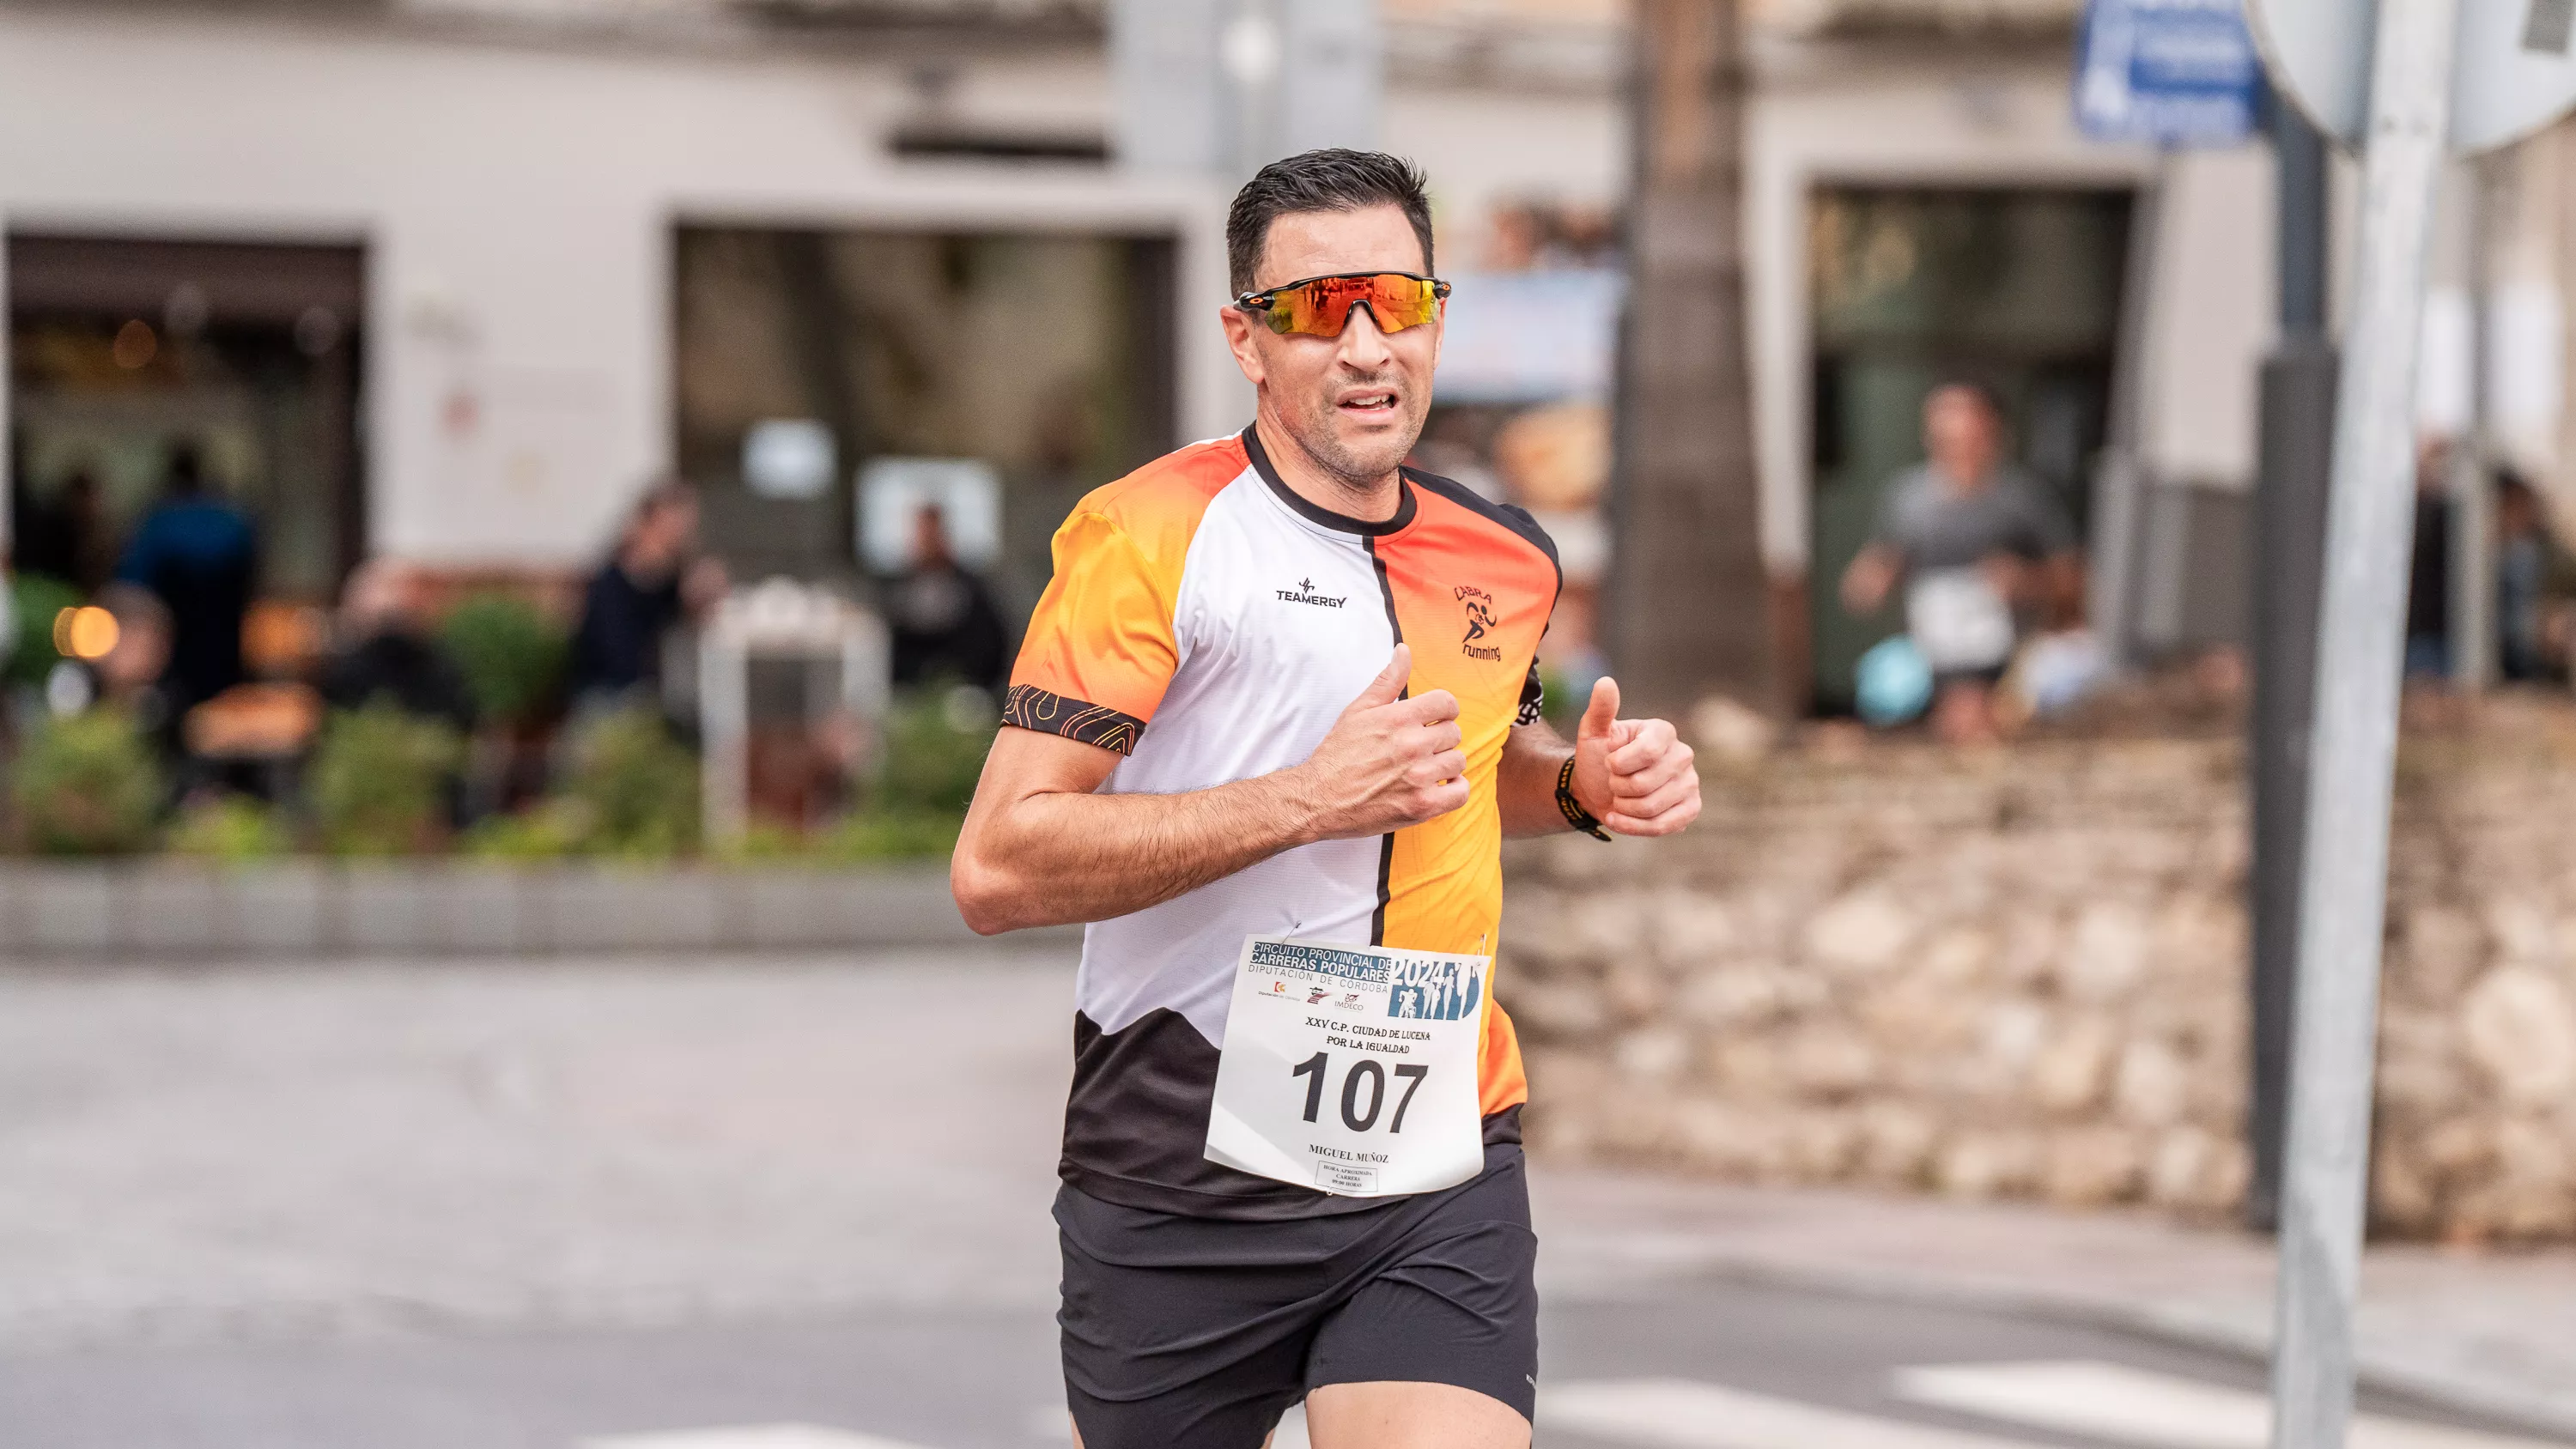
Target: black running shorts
<point>1198,1333</point>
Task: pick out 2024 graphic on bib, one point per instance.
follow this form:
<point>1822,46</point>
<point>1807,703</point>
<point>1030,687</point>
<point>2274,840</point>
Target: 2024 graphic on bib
<point>1351,1069</point>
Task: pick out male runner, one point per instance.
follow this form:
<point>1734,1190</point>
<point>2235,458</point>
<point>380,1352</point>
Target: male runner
<point>1282,687</point>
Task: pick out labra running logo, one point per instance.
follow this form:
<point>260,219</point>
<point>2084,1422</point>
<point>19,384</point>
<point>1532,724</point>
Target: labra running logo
<point>1480,622</point>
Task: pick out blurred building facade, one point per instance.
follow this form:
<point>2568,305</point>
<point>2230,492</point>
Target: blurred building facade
<point>450,279</point>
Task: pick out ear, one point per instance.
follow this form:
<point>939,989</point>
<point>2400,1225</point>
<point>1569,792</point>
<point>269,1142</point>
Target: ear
<point>1240,340</point>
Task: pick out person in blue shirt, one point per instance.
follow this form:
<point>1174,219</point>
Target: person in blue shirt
<point>200,556</point>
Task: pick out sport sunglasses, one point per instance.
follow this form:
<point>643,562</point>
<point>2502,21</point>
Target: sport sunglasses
<point>1321,306</point>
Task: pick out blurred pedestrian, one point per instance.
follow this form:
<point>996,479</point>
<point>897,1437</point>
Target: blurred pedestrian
<point>199,555</point>
<point>65,536</point>
<point>1980,548</point>
<point>652,582</point>
<point>2428,570</point>
<point>942,617</point>
<point>2535,579</point>
<point>384,649</point>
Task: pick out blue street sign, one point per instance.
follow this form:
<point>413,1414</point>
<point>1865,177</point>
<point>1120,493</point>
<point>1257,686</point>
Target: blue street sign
<point>2167,72</point>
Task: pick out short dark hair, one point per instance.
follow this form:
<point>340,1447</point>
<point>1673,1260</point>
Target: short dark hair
<point>1332,179</point>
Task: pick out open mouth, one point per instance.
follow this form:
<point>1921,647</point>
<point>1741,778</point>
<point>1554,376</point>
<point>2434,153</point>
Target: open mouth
<point>1373,400</point>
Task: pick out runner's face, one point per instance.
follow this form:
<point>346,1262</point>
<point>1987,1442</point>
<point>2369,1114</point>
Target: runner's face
<point>1355,402</point>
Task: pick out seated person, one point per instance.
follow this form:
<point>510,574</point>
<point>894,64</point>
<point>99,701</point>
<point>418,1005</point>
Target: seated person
<point>384,649</point>
<point>1979,546</point>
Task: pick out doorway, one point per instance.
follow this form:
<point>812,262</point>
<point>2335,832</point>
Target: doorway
<point>124,352</point>
<point>1037,366</point>
<point>2017,289</point>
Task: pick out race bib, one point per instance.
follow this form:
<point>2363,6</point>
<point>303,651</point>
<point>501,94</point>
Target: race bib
<point>1958,619</point>
<point>1352,1069</point>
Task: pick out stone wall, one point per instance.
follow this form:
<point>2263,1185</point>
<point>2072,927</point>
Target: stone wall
<point>2022,974</point>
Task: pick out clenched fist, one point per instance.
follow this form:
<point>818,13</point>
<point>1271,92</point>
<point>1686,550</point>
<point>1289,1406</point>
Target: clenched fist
<point>1389,761</point>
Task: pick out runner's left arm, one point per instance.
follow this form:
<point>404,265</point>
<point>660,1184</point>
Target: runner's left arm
<point>1634,775</point>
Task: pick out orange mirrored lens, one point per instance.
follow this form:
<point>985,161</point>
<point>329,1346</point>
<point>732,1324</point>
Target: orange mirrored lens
<point>1322,307</point>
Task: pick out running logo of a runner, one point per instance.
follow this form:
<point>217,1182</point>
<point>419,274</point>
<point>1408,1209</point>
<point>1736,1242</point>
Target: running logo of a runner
<point>1480,617</point>
<point>1433,990</point>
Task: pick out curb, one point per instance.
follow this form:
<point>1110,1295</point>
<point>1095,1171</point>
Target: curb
<point>171,911</point>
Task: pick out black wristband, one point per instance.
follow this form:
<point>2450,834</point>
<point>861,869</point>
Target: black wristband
<point>1575,815</point>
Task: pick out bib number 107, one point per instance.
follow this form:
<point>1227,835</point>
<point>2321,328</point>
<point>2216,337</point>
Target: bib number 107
<point>1366,1079</point>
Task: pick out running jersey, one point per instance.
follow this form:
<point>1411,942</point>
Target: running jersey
<point>1210,625</point>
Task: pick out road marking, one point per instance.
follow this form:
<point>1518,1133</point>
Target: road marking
<point>2113,1401</point>
<point>749,1436</point>
<point>1681,1414</point>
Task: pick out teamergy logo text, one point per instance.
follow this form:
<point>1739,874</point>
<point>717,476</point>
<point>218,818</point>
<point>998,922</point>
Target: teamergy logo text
<point>1305,593</point>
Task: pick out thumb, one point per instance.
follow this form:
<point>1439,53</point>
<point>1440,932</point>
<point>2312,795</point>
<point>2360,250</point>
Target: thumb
<point>1388,687</point>
<point>1602,713</point>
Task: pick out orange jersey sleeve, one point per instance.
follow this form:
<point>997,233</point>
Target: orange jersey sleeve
<point>1100,649</point>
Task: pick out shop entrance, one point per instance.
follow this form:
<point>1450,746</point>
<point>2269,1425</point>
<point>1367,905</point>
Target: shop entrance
<point>829,378</point>
<point>2016,289</point>
<point>124,354</point>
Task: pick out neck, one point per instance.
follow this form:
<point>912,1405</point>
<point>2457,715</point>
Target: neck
<point>1372,501</point>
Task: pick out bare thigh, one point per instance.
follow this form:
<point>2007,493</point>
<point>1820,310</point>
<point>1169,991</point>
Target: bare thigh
<point>1411,1416</point>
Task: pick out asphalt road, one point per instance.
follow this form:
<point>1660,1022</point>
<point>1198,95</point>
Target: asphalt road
<point>547,1205</point>
<point>963,1379</point>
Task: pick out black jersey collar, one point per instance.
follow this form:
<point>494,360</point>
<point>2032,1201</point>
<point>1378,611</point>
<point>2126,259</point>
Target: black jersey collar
<point>1325,517</point>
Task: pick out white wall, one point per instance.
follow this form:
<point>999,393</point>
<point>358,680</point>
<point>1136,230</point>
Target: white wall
<point>1483,149</point>
<point>2212,310</point>
<point>518,206</point>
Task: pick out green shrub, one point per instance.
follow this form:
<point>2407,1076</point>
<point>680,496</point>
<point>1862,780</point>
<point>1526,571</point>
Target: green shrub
<point>511,653</point>
<point>635,786</point>
<point>765,841</point>
<point>379,781</point>
<point>548,830</point>
<point>890,835</point>
<point>87,785</point>
<point>936,740</point>
<point>230,830</point>
<point>37,598</point>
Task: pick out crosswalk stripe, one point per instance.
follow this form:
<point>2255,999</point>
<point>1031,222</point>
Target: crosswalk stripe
<point>2113,1401</point>
<point>749,1436</point>
<point>1682,1414</point>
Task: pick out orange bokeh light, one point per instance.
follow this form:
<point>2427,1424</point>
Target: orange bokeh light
<point>87,632</point>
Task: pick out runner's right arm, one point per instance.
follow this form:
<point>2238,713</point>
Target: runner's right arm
<point>1042,848</point>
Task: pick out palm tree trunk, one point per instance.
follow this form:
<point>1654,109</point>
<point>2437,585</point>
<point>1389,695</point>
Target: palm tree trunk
<point>1689,609</point>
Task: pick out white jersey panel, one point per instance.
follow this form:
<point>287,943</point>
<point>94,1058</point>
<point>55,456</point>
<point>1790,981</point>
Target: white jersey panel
<point>1280,624</point>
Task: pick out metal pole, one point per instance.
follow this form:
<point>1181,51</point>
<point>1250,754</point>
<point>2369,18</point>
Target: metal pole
<point>2297,443</point>
<point>2473,580</point>
<point>2343,896</point>
<point>2120,482</point>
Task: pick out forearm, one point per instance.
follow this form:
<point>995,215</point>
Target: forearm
<point>1063,857</point>
<point>1525,781</point>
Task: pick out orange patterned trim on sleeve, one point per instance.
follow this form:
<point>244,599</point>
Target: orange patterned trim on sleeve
<point>1032,708</point>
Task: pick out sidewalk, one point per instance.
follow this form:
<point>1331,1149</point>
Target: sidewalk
<point>2487,1332</point>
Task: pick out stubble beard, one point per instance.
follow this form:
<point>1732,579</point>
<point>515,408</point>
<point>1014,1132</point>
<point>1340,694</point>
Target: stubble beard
<point>1362,472</point>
